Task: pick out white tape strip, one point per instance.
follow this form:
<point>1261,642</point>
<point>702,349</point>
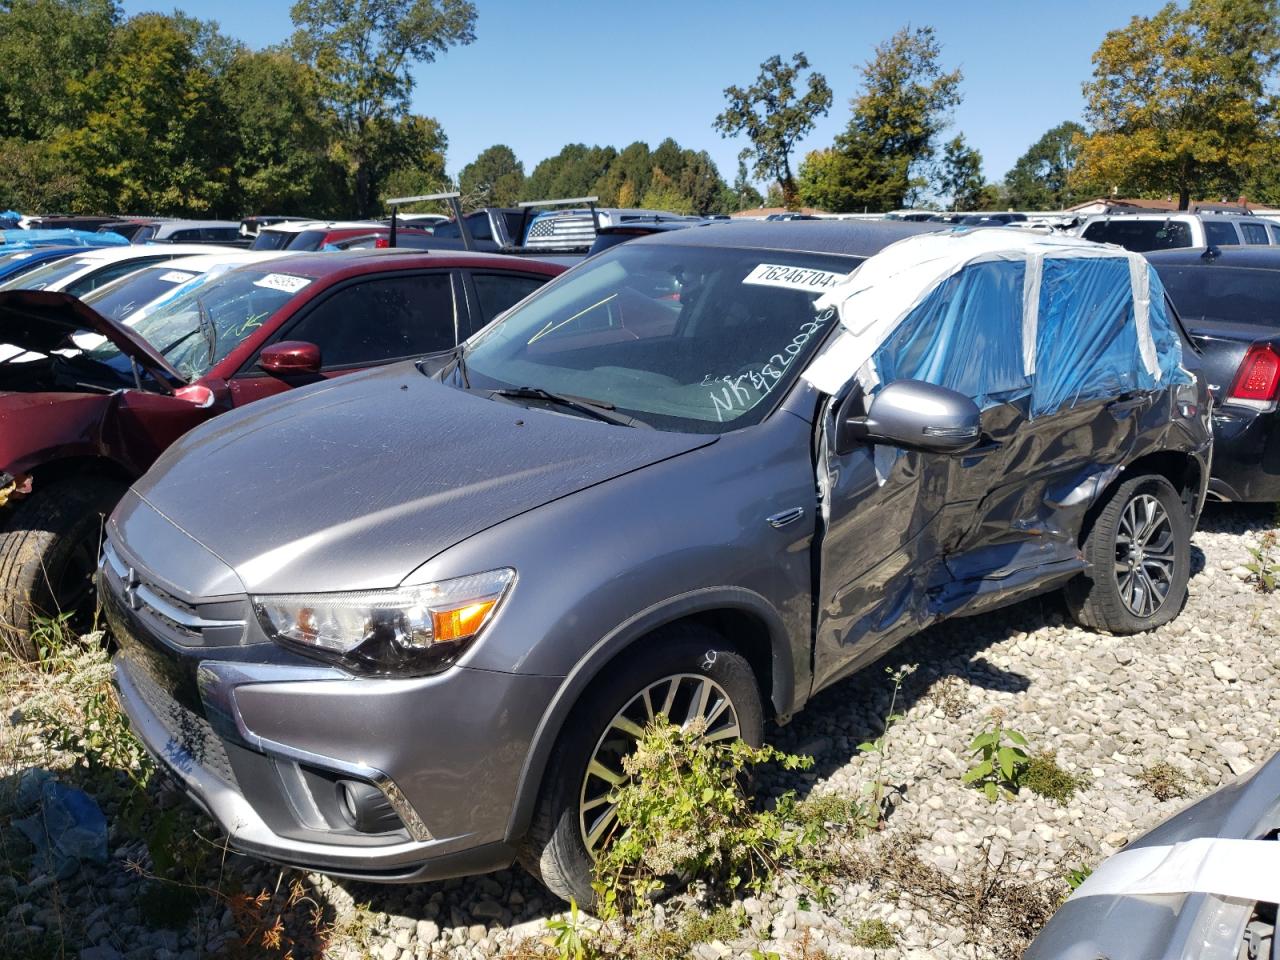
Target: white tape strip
<point>1243,869</point>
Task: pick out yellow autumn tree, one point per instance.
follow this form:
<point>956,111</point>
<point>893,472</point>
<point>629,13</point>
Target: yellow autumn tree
<point>1179,102</point>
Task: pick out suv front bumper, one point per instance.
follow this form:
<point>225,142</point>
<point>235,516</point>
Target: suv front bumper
<point>263,752</point>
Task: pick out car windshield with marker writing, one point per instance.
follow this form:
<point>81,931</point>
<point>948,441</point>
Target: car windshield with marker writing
<point>204,322</point>
<point>681,338</point>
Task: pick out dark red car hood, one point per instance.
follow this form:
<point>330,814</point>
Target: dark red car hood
<point>41,321</point>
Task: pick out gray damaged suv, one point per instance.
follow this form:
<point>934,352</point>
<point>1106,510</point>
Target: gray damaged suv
<point>404,626</point>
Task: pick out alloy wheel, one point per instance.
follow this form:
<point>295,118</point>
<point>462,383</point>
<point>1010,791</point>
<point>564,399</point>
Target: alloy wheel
<point>1145,555</point>
<point>682,699</point>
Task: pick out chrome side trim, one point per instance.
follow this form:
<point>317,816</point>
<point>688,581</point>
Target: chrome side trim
<point>780,520</point>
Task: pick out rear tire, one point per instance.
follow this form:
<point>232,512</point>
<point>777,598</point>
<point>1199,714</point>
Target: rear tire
<point>1139,555</point>
<point>48,555</point>
<point>555,850</point>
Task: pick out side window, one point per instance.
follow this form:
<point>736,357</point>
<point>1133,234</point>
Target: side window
<point>1254,233</point>
<point>184,236</point>
<point>498,291</point>
<point>1221,233</point>
<point>966,335</point>
<point>383,318</point>
<point>478,224</point>
<point>1275,232</point>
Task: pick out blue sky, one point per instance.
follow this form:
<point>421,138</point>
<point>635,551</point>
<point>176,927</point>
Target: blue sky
<point>543,74</point>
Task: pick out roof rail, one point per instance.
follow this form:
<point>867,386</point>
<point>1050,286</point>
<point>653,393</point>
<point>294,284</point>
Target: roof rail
<point>451,196</point>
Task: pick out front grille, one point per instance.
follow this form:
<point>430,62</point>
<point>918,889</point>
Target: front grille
<point>192,740</point>
<point>173,618</point>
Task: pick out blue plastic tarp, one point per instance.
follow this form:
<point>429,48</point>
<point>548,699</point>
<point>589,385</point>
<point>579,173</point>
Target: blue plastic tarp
<point>66,238</point>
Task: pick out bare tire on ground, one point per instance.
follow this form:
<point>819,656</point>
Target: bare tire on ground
<point>685,671</point>
<point>1139,554</point>
<point>48,554</point>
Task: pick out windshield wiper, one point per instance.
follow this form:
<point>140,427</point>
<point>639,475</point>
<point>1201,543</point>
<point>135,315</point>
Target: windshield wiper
<point>208,329</point>
<point>597,409</point>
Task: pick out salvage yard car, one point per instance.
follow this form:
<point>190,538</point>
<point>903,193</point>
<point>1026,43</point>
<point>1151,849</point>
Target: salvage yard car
<point>79,424</point>
<point>1229,300</point>
<point>406,625</point>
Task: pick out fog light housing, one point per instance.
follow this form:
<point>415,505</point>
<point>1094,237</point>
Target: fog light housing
<point>366,808</point>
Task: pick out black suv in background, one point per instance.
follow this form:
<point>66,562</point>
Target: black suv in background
<point>1229,301</point>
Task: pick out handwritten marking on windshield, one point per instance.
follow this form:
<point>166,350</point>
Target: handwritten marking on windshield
<point>733,398</point>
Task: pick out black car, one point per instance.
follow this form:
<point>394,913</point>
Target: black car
<point>1229,299</point>
<point>607,237</point>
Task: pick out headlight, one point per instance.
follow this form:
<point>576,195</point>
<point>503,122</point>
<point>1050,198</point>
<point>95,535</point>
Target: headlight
<point>406,630</point>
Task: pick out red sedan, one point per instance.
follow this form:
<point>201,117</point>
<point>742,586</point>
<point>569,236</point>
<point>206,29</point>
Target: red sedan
<point>80,424</point>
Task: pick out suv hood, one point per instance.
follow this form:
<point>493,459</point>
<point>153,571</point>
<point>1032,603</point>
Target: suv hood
<point>354,484</point>
<point>41,321</point>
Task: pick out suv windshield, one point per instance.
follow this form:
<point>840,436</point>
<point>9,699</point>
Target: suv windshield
<point>200,326</point>
<point>1140,236</point>
<point>696,339</point>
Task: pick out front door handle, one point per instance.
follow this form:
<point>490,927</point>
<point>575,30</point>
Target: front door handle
<point>780,520</point>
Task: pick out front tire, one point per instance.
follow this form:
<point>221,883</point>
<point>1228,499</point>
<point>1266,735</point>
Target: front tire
<point>684,671</point>
<point>48,556</point>
<point>1139,555</point>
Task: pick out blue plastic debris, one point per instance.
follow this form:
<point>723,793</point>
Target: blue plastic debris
<point>68,829</point>
<point>70,238</point>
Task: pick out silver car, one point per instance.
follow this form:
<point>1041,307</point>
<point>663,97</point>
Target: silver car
<point>405,626</point>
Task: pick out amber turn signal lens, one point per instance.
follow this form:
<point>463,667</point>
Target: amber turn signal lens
<point>462,622</point>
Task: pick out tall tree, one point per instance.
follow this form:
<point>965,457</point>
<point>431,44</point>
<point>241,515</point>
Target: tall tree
<point>1041,178</point>
<point>408,157</point>
<point>573,172</point>
<point>627,179</point>
<point>44,46</point>
<point>960,174</point>
<point>494,178</point>
<point>775,116</point>
<point>280,162</point>
<point>744,193</point>
<point>154,135</point>
<point>364,51</point>
<point>1180,101</point>
<point>906,102</point>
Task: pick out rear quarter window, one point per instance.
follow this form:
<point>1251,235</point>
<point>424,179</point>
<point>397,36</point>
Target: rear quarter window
<point>1141,236</point>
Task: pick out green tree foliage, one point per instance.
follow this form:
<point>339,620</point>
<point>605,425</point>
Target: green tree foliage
<point>363,52</point>
<point>408,157</point>
<point>774,116</point>
<point>45,45</point>
<point>828,181</point>
<point>154,134</point>
<point>573,172</point>
<point>960,174</point>
<point>743,195</point>
<point>281,163</point>
<point>665,194</point>
<point>495,178</point>
<point>905,103</point>
<point>1041,178</point>
<point>1180,101</point>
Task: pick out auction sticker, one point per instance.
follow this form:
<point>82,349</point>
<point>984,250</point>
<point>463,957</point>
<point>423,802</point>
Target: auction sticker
<point>793,278</point>
<point>282,281</point>
<point>177,276</point>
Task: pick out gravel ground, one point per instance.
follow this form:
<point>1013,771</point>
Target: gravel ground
<point>1199,694</point>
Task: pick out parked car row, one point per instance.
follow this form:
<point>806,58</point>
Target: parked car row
<point>459,525</point>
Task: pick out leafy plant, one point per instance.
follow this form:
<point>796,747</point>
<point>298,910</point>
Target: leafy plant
<point>683,813</point>
<point>1001,766</point>
<point>1264,568</point>
<point>1077,876</point>
<point>571,936</point>
<point>874,934</point>
<point>53,637</point>
<point>878,787</point>
<point>1045,778</point>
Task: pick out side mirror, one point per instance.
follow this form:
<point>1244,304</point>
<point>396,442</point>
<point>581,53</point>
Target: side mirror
<point>290,358</point>
<point>916,415</point>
